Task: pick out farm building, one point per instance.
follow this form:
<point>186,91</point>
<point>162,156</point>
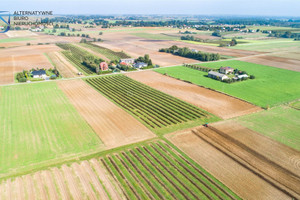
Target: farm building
<point>103,66</point>
<point>226,70</point>
<point>242,76</point>
<point>124,63</point>
<point>39,74</point>
<point>140,65</point>
<point>127,60</point>
<point>216,75</point>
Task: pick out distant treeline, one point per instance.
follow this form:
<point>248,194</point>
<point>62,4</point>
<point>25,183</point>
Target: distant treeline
<point>283,34</point>
<point>188,53</point>
<point>259,21</point>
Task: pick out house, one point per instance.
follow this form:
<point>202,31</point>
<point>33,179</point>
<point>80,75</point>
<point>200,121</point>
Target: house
<point>216,75</point>
<point>103,66</point>
<point>127,60</point>
<point>195,51</point>
<point>226,70</point>
<point>39,74</point>
<point>140,65</point>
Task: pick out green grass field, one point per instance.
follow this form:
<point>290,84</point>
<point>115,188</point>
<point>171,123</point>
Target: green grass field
<point>16,39</point>
<point>270,45</point>
<point>39,126</point>
<point>272,86</point>
<point>279,123</point>
<point>160,112</point>
<point>159,171</point>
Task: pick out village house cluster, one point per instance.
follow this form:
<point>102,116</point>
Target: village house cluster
<point>229,74</point>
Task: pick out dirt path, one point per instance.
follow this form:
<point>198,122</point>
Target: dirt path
<point>114,126</point>
<point>216,103</point>
<point>238,178</point>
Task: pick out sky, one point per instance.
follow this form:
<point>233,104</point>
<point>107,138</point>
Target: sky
<point>198,7</point>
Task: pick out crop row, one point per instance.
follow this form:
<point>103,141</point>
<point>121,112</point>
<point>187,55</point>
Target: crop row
<point>112,55</point>
<point>157,171</point>
<point>75,55</point>
<point>153,107</point>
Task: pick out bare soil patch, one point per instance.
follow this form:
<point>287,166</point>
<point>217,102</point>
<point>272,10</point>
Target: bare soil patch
<point>20,33</point>
<point>279,62</point>
<point>216,103</point>
<point>114,126</point>
<point>235,176</point>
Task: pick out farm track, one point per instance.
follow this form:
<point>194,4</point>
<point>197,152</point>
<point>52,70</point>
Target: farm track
<point>269,171</point>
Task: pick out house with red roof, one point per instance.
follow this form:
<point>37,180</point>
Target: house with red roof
<point>103,66</point>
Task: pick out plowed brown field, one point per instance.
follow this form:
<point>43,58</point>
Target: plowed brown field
<point>237,177</point>
<point>219,104</point>
<point>284,63</point>
<point>114,126</point>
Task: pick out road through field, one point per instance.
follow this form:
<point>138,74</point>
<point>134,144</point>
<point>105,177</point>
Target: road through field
<point>114,126</point>
<point>219,104</point>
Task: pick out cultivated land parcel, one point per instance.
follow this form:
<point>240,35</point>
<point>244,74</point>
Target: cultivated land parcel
<point>272,86</point>
<point>39,126</point>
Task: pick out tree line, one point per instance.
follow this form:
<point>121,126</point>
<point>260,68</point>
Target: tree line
<point>188,53</point>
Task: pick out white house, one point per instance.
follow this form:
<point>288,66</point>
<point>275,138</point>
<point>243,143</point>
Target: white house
<point>140,65</point>
<point>39,74</point>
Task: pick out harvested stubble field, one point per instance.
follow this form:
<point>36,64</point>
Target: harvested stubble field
<point>151,171</point>
<point>280,62</point>
<point>216,103</point>
<point>271,86</point>
<point>63,66</point>
<point>113,125</point>
<point>158,111</point>
<point>203,147</point>
<point>110,54</point>
<point>279,123</point>
<point>74,54</point>
<point>17,59</point>
<point>39,126</point>
<point>271,160</point>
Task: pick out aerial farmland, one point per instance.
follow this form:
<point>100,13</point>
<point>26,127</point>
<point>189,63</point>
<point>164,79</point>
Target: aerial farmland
<point>149,106</point>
